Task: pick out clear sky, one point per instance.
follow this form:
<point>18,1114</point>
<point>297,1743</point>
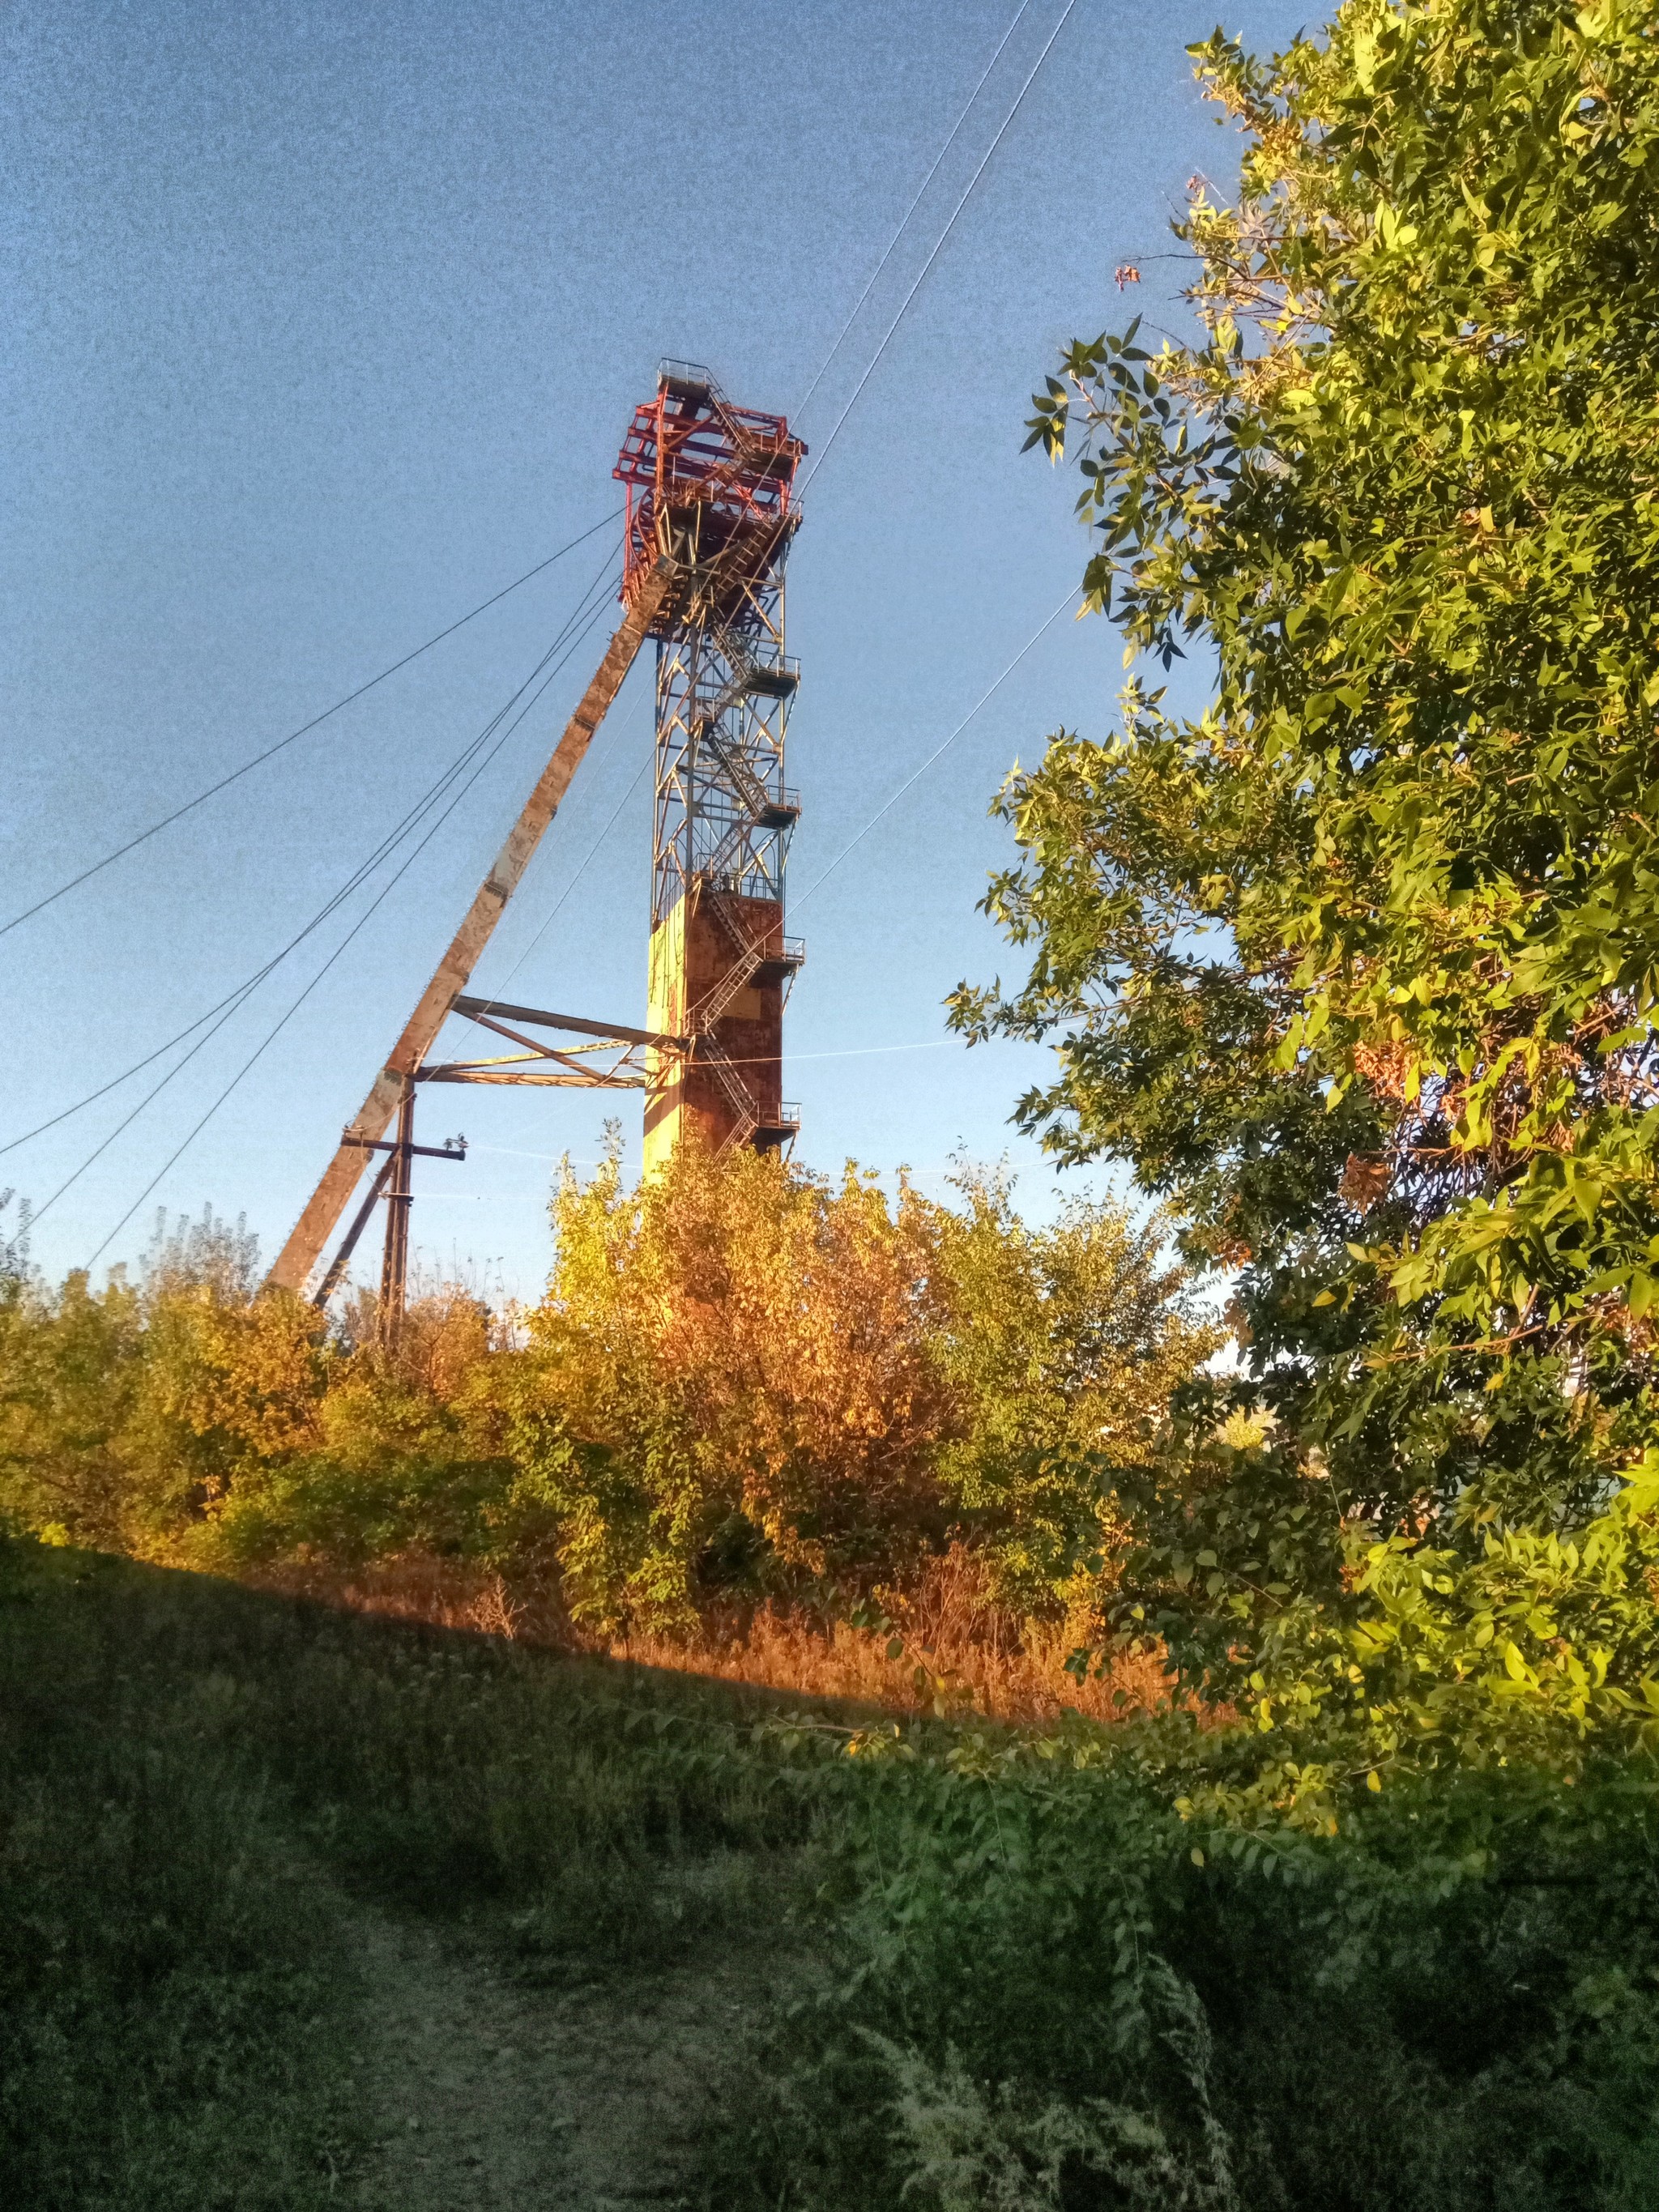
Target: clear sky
<point>325,322</point>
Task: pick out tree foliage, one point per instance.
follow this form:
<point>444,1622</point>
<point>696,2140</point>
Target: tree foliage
<point>764,1381</point>
<point>1359,968</point>
<point>1061,1347</point>
<point>743,1382</point>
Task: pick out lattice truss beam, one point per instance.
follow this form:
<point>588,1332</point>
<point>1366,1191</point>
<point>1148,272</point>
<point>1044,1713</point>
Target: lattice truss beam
<point>612,1058</point>
<point>724,813</point>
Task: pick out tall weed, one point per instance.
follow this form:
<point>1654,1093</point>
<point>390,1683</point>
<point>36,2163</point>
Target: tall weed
<point>173,2011</point>
<point>1052,1987</point>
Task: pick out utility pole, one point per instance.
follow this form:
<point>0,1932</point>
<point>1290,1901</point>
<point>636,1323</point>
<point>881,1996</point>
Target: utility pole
<point>394,1265</point>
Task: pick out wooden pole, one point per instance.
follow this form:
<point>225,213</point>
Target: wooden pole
<point>399,1197</point>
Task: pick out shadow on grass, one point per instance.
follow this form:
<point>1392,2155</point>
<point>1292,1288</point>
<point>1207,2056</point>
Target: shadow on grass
<point>195,1777</point>
<point>1034,1994</point>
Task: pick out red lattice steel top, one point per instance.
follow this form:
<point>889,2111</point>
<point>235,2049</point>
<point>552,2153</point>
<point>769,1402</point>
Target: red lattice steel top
<point>707,480</point>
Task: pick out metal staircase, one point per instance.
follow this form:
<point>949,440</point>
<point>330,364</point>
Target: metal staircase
<point>739,1096</point>
<point>751,956</point>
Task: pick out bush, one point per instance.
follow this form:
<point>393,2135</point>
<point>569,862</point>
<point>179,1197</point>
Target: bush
<point>1060,1987</point>
<point>744,1385</point>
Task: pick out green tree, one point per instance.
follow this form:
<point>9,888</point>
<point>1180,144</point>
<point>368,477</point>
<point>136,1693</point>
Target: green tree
<point>1061,1345</point>
<point>1359,969</point>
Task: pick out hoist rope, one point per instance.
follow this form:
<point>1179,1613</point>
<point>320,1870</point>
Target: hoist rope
<point>305,729</point>
<point>216,1016</point>
<point>904,305</point>
<point>955,132</point>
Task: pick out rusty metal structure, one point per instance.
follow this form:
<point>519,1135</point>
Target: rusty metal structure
<point>711,486</point>
<point>709,517</point>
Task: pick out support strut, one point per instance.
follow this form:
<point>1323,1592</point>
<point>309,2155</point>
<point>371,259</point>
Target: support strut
<point>329,1201</point>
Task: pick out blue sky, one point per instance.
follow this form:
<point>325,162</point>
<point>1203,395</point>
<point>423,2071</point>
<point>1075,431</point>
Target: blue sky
<point>326,322</point>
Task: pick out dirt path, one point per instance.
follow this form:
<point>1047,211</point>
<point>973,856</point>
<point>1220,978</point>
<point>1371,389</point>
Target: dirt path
<point>491,2095</point>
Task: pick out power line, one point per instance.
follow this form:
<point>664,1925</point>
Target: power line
<point>233,1003</point>
<point>1019,100</point>
<point>801,405</point>
<point>387,846</point>
<point>282,1023</point>
<point>305,729</point>
<point>888,804</point>
<point>393,838</point>
<point>138,1066</point>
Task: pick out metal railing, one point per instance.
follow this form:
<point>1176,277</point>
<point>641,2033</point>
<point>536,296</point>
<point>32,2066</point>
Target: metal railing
<point>778,674</point>
<point>685,372</point>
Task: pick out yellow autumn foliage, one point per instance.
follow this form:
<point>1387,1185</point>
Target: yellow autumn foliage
<point>744,1381</point>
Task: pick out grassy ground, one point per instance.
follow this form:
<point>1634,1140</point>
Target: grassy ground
<point>947,1647</point>
<point>1020,1984</point>
<point>172,2018</point>
<point>196,1783</point>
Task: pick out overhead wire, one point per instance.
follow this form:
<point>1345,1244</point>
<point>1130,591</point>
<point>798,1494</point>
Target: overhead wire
<point>582,871</point>
<point>572,634</point>
<point>939,751</point>
<point>276,1028</point>
<point>955,132</point>
<point>921,278</point>
<point>305,729</point>
<point>359,875</point>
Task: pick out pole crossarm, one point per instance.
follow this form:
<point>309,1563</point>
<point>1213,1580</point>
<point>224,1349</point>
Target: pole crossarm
<point>328,1201</point>
<point>451,1152</point>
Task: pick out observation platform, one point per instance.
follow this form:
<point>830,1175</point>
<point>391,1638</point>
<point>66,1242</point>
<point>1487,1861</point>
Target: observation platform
<point>711,485</point>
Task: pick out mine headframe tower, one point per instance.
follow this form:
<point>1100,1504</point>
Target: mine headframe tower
<point>711,488</point>
<point>710,515</point>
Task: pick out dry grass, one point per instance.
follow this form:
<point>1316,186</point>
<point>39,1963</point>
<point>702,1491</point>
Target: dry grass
<point>441,1593</point>
<point>950,1651</point>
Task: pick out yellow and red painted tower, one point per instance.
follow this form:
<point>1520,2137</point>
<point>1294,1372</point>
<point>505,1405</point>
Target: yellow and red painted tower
<point>711,487</point>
